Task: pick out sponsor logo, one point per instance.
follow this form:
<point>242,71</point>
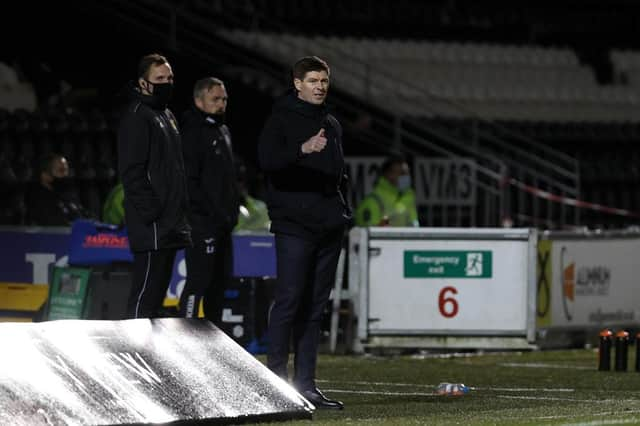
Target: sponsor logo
<point>581,281</point>
<point>593,281</point>
<point>606,317</point>
<point>105,241</point>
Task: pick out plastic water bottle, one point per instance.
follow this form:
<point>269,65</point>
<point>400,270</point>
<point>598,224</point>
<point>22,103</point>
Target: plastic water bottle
<point>452,389</point>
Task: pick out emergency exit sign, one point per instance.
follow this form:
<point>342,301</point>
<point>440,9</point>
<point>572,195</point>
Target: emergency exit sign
<point>447,264</point>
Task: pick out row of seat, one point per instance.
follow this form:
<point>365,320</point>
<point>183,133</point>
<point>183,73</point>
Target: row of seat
<point>88,142</point>
<point>429,51</point>
<point>85,138</point>
<point>541,84</point>
<point>88,159</point>
<point>56,121</point>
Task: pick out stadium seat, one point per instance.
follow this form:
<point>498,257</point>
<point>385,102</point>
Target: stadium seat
<point>531,82</point>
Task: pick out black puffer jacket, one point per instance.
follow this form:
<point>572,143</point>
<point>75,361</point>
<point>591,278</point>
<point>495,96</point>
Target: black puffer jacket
<point>304,191</point>
<point>152,173</point>
<point>211,177</point>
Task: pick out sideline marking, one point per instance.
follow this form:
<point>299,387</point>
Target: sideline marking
<point>417,385</point>
<point>549,398</point>
<point>537,398</point>
<point>381,393</point>
<point>543,365</point>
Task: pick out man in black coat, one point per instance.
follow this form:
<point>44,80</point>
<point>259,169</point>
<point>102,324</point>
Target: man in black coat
<point>213,196</point>
<point>155,196</point>
<point>50,201</point>
<point>300,149</point>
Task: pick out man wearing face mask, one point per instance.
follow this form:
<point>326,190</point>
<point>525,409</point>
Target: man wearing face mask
<point>392,201</point>
<point>51,202</point>
<point>152,173</point>
<point>213,197</point>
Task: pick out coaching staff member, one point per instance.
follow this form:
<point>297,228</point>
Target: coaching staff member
<point>213,196</point>
<point>300,150</point>
<point>155,196</point>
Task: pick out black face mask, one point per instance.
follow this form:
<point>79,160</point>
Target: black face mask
<point>161,94</point>
<point>62,185</point>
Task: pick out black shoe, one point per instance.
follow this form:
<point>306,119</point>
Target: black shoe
<point>320,401</point>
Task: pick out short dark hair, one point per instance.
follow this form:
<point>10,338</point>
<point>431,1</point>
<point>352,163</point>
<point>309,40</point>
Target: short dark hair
<point>391,161</point>
<point>153,59</point>
<point>46,162</point>
<point>204,85</point>
<point>308,64</point>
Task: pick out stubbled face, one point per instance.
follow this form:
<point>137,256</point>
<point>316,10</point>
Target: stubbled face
<point>158,74</point>
<point>213,101</point>
<point>313,87</point>
<point>60,168</point>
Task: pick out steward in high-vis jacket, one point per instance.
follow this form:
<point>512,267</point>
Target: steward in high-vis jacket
<point>113,209</point>
<point>152,172</point>
<point>388,204</point>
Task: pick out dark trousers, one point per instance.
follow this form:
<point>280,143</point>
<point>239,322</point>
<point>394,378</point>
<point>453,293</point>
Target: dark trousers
<point>151,277</point>
<point>305,276</point>
<point>208,269</point>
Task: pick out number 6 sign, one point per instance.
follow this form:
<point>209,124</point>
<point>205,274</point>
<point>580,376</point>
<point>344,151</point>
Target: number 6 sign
<point>449,286</point>
<point>448,306</point>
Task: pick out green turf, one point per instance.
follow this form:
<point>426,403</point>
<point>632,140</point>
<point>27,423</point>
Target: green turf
<point>531,388</point>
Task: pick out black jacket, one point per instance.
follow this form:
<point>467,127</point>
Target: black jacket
<point>46,207</point>
<point>152,173</point>
<point>304,192</point>
<point>211,177</point>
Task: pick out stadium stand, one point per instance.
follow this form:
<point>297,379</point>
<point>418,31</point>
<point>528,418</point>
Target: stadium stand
<point>27,137</point>
<point>539,97</point>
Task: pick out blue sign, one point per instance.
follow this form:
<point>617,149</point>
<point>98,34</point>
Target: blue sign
<point>28,254</point>
<point>96,243</point>
<point>254,256</point>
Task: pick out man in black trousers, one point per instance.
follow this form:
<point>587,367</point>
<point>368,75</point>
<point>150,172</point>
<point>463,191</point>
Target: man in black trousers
<point>213,196</point>
<point>300,150</point>
<point>155,194</point>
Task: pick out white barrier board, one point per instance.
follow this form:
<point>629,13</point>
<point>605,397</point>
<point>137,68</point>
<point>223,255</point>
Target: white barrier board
<point>447,287</point>
<point>428,285</point>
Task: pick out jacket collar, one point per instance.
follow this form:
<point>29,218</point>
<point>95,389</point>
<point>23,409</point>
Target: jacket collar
<point>292,102</point>
<point>387,188</point>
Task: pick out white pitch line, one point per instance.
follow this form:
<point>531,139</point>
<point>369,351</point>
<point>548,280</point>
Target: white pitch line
<point>594,422</point>
<point>548,398</point>
<point>604,422</point>
<point>431,386</point>
<point>543,365</point>
<point>536,398</point>
<point>525,389</point>
<point>380,393</point>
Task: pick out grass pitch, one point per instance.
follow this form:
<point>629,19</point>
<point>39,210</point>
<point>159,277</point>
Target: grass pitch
<point>530,388</point>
